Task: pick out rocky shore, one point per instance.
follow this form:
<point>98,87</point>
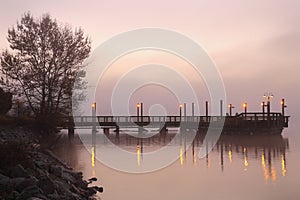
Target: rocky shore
<point>29,171</point>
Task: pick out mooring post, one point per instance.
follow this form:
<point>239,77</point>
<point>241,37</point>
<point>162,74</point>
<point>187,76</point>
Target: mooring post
<point>263,109</point>
<point>221,108</point>
<point>283,106</point>
<point>184,111</point>
<point>193,110</point>
<point>206,110</point>
<point>142,111</point>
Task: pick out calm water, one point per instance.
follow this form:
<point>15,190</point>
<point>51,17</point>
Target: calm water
<point>238,167</point>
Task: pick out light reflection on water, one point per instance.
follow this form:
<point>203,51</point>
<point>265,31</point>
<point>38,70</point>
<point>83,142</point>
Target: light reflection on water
<point>262,158</point>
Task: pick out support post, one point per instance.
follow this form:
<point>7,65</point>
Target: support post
<point>263,109</point>
<point>193,110</point>
<point>184,111</point>
<point>142,111</point>
<point>206,108</point>
<point>180,112</point>
<point>283,106</point>
<point>230,106</point>
<point>268,112</point>
<point>221,108</point>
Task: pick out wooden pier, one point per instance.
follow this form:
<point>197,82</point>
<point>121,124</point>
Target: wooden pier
<point>251,122</point>
<point>243,123</point>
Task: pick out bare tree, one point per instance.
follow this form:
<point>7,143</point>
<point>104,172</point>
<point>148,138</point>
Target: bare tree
<point>44,61</point>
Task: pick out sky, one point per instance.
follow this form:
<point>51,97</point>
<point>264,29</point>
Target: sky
<point>255,44</point>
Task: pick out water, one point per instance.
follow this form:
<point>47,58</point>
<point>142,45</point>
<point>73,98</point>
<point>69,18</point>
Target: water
<point>238,167</point>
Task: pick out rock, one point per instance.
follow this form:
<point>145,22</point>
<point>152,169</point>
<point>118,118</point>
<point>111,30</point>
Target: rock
<point>15,182</point>
<point>41,164</point>
<point>76,175</point>
<point>62,187</point>
<point>18,171</point>
<point>74,189</point>
<point>81,183</point>
<point>56,170</point>
<point>67,190</point>
<point>99,189</point>
<point>15,194</point>
<point>68,178</point>
<point>31,181</point>
<point>5,185</point>
<point>46,185</point>
<point>55,196</point>
<point>29,192</point>
<point>92,179</point>
<point>3,176</point>
<point>90,191</point>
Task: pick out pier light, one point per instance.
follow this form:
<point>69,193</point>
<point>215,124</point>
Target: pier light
<point>94,105</point>
<point>268,96</point>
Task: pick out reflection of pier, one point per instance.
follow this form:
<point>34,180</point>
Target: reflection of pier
<point>265,150</point>
<point>269,150</point>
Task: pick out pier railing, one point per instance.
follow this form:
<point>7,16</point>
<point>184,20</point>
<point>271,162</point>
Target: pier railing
<point>243,119</point>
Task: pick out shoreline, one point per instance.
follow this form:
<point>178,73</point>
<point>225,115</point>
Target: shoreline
<point>29,170</point>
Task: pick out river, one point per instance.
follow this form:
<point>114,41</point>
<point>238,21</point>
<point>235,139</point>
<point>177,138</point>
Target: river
<point>238,167</point>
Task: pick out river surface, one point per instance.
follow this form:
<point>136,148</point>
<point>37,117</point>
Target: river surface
<point>238,167</point>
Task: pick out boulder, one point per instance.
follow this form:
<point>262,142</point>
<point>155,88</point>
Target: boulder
<point>46,185</point>
<point>2,176</point>
<point>29,192</point>
<point>56,170</point>
<point>25,183</point>
<point>18,171</point>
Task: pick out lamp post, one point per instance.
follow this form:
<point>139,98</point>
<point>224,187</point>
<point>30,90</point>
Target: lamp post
<point>138,105</point>
<point>283,106</point>
<point>94,109</point>
<point>268,96</point>
<point>94,116</point>
<point>180,111</point>
<point>245,105</point>
<point>230,106</point>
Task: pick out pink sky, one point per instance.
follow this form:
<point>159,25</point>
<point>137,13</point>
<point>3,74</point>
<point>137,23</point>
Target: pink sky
<point>255,44</point>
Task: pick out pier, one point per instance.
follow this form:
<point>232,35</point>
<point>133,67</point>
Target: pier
<point>243,123</point>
